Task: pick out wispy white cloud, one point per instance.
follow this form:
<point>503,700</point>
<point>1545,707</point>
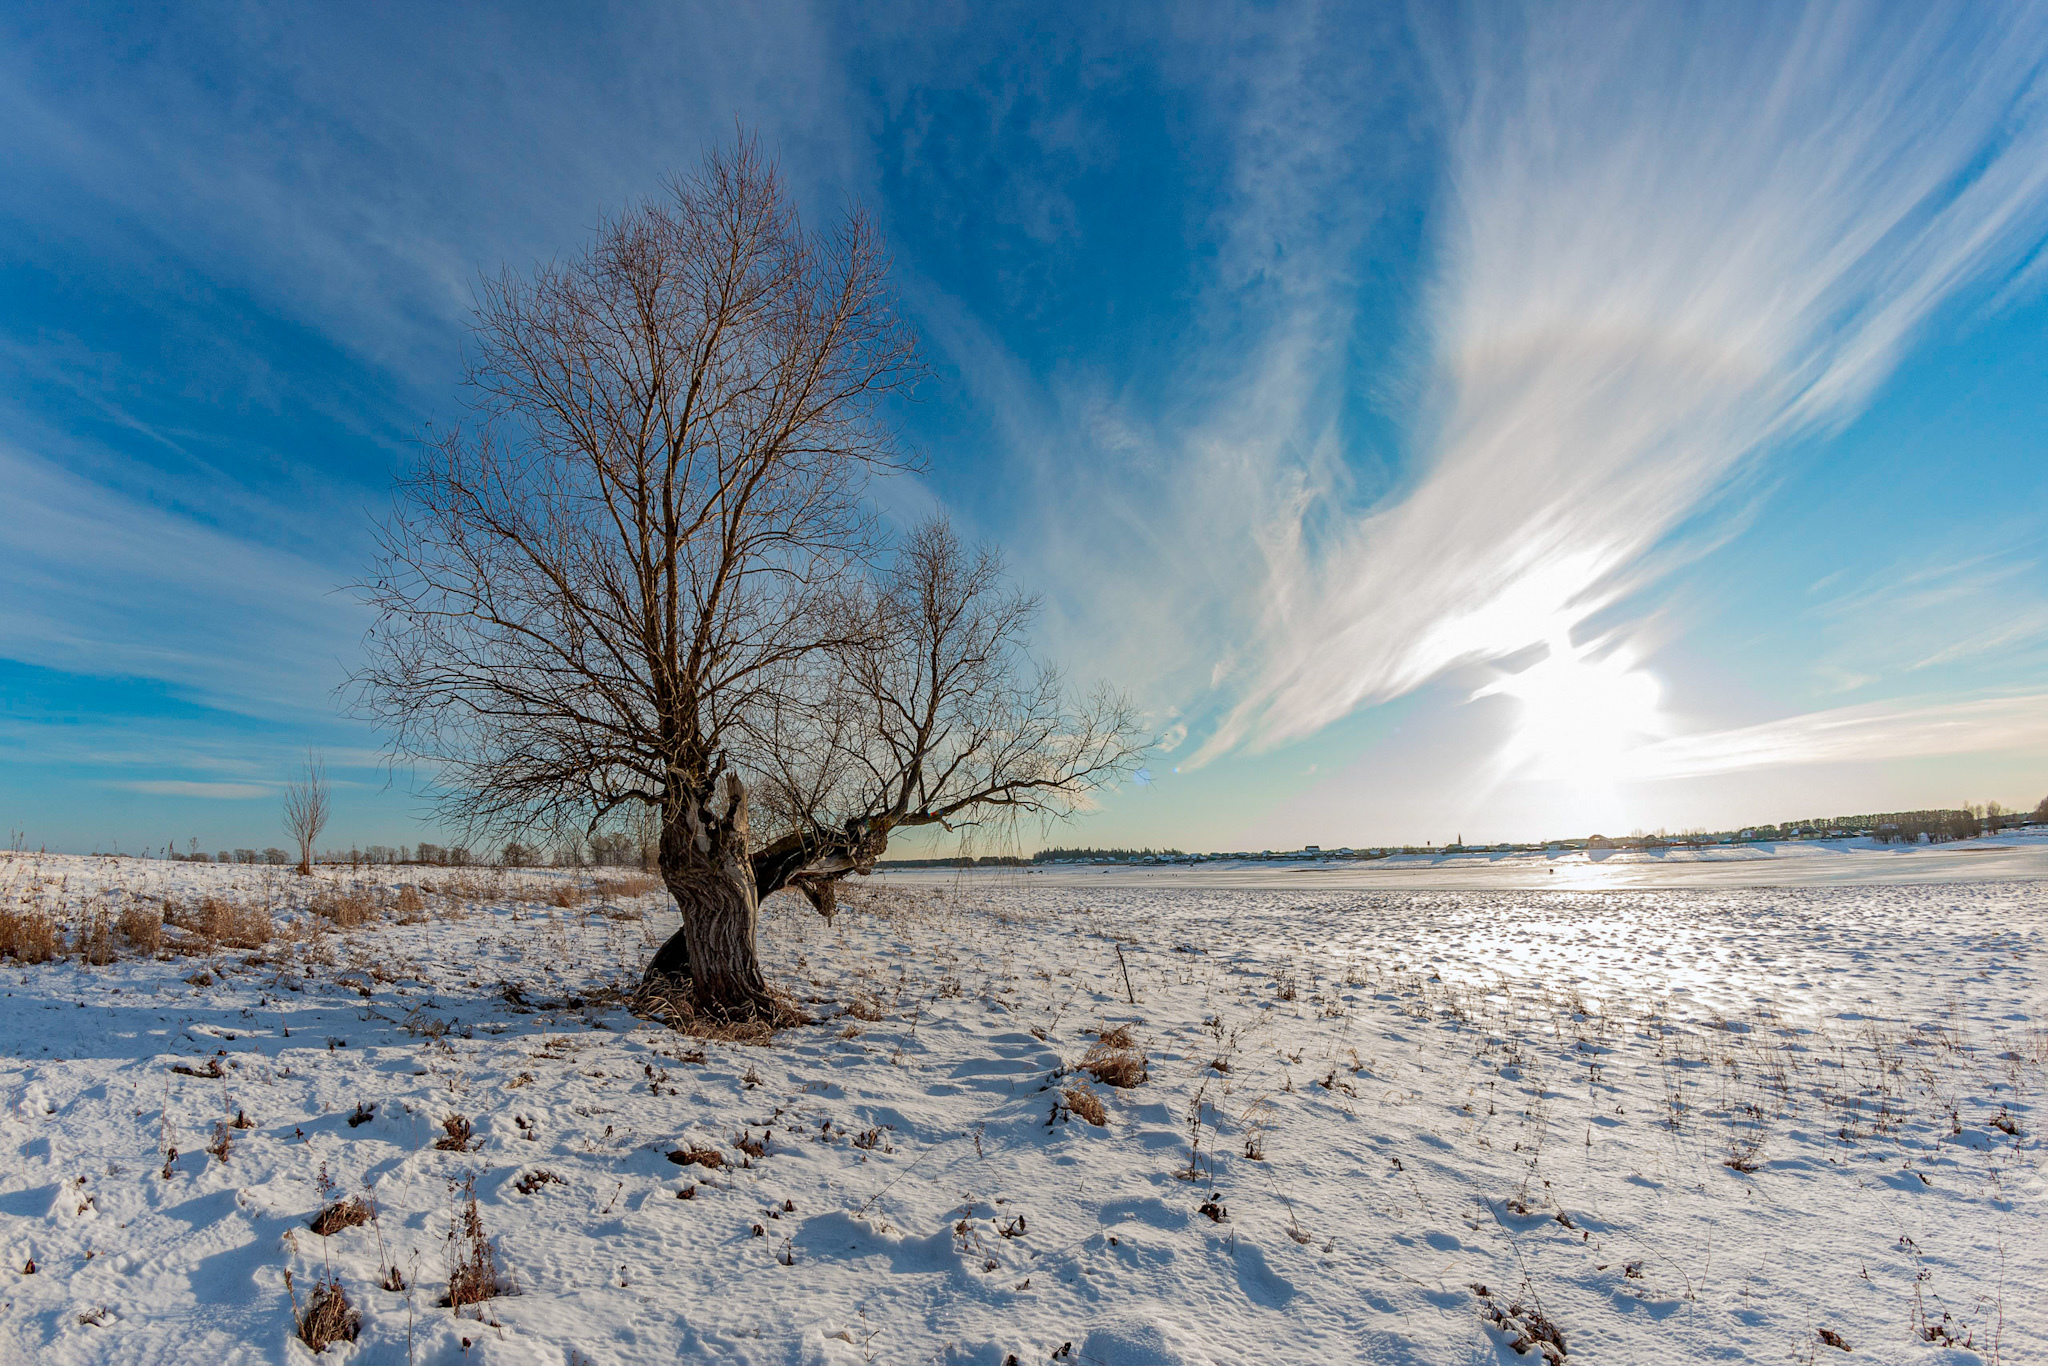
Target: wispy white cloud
<point>1873,733</point>
<point>213,791</point>
<point>1153,505</point>
<point>356,175</point>
<point>1904,619</point>
<point>107,585</point>
<point>1663,249</point>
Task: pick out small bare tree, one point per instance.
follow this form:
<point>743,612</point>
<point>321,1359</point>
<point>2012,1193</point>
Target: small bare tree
<point>305,811</point>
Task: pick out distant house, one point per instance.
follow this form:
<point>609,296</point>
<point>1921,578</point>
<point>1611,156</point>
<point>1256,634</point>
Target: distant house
<point>1599,842</point>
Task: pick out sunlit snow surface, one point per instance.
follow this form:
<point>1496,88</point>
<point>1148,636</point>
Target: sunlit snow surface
<point>1459,1072</point>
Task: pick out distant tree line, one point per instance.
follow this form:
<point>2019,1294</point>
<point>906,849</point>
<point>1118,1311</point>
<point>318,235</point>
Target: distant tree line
<point>1101,855</point>
<point>196,855</point>
<point>959,861</point>
<point>1908,827</point>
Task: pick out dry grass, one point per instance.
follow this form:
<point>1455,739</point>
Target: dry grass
<point>410,906</point>
<point>1115,1060</point>
<point>327,1318</point>
<point>566,896</point>
<point>216,922</point>
<point>342,1214</point>
<point>473,1268</point>
<point>625,888</point>
<point>1525,1326</point>
<point>456,1135</point>
<point>143,927</point>
<point>700,1157</point>
<point>668,1002</point>
<point>94,941</point>
<point>29,936</point>
<point>1084,1103</point>
<point>346,910</point>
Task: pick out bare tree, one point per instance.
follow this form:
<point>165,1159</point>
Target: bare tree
<point>640,577</point>
<point>305,811</point>
<point>584,595</point>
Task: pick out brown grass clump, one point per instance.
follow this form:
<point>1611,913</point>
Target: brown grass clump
<point>143,927</point>
<point>411,906</point>
<point>29,936</point>
<point>327,1318</point>
<point>567,896</point>
<point>456,1135</point>
<point>94,942</point>
<point>219,922</point>
<point>351,1213</point>
<point>1114,1060</point>
<point>251,928</point>
<point>188,941</point>
<point>865,1007</point>
<point>346,910</point>
<point>1084,1103</point>
<point>626,887</point>
<point>709,1158</point>
<point>473,1271</point>
<point>214,919</point>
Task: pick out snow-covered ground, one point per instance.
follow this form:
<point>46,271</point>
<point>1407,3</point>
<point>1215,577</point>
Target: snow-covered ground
<point>1675,1124</point>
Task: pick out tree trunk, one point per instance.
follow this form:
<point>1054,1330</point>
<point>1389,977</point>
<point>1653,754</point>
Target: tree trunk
<point>705,866</point>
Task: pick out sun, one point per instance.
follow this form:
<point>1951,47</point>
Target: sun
<point>1581,718</point>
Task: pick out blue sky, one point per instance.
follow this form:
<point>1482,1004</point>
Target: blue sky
<point>1475,421</point>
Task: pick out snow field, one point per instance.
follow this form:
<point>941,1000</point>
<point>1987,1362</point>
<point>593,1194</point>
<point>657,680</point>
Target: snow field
<point>1655,1126</point>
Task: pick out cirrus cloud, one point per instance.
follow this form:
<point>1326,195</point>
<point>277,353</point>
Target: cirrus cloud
<point>1663,252</point>
<point>213,791</point>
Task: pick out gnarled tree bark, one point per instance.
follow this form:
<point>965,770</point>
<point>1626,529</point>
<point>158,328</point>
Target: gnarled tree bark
<point>706,868</point>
